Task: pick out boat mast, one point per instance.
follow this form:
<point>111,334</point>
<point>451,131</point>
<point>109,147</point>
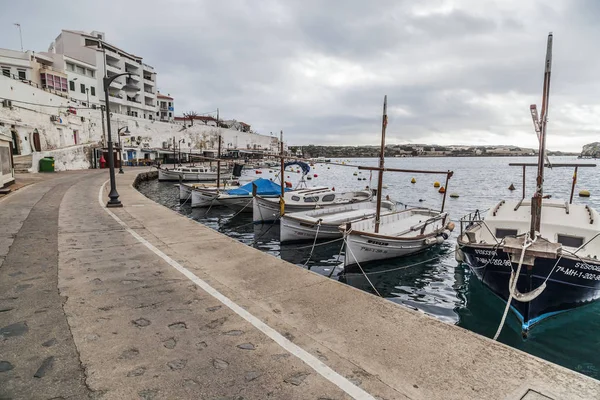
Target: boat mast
<point>281,200</point>
<point>536,200</point>
<point>219,162</point>
<point>381,165</point>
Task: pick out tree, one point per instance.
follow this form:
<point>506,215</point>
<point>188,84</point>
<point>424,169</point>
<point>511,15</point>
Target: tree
<point>191,115</point>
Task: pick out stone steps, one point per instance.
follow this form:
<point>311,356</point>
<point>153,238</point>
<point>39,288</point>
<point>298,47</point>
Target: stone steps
<point>22,164</point>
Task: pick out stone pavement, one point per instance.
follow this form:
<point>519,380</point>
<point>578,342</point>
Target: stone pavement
<point>136,310</point>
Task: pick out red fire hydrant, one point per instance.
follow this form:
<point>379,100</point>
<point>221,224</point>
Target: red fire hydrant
<point>102,162</point>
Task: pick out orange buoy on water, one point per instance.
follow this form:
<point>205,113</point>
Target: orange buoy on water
<point>258,172</point>
<point>442,190</point>
<point>288,184</point>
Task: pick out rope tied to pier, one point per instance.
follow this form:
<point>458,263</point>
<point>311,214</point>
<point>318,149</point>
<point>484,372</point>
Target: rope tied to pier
<point>357,263</point>
<point>513,283</point>
<point>314,243</point>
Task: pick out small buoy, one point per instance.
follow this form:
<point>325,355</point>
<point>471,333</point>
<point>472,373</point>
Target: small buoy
<point>328,167</point>
<point>511,187</point>
<point>442,190</point>
<point>421,200</point>
<point>333,188</point>
<point>454,195</point>
<point>356,173</point>
<point>308,177</point>
<point>384,186</point>
<point>288,176</point>
<point>270,171</point>
<point>584,193</point>
<point>436,184</point>
<point>413,180</point>
<point>258,172</point>
<point>288,184</point>
<point>315,175</point>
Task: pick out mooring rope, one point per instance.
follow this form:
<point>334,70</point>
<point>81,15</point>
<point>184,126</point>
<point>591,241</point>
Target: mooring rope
<point>314,243</point>
<point>360,267</point>
<point>526,244</point>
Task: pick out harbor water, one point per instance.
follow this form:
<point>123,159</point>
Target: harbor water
<point>432,282</point>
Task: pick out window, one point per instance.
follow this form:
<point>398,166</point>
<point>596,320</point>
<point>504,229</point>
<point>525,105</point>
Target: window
<point>6,72</point>
<point>502,233</point>
<point>90,73</point>
<point>70,67</point>
<point>311,199</point>
<point>295,198</point>
<point>170,114</point>
<point>92,90</point>
<point>570,241</point>
<point>157,114</point>
<point>169,104</point>
<point>82,87</point>
<point>328,197</point>
<point>80,70</point>
<point>63,84</point>
<point>72,86</point>
<point>22,74</point>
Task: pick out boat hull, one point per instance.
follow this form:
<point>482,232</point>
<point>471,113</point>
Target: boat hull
<point>185,193</point>
<point>294,230</point>
<point>362,248</point>
<point>572,284</point>
<point>239,204</point>
<point>174,176</point>
<point>267,209</point>
<point>204,198</point>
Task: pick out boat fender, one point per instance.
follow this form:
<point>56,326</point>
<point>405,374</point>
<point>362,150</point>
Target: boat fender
<point>431,240</point>
<point>450,226</point>
<point>445,234</point>
<point>439,239</point>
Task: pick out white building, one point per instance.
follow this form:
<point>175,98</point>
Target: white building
<point>166,108</point>
<point>88,57</point>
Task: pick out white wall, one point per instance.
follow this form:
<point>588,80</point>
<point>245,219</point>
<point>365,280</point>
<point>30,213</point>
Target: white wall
<point>60,134</point>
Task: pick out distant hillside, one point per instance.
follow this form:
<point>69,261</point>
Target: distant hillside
<point>591,150</point>
<point>417,151</point>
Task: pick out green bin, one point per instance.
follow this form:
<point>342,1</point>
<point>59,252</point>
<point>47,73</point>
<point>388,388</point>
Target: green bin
<point>47,164</point>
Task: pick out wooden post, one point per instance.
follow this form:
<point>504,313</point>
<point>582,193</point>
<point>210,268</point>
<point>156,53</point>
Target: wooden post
<point>219,163</point>
<point>281,199</point>
<point>523,182</point>
<point>381,165</point>
<point>448,175</point>
<point>174,154</point>
<point>573,185</point>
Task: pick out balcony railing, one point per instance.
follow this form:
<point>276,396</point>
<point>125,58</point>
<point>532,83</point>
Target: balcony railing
<point>113,66</point>
<point>148,78</point>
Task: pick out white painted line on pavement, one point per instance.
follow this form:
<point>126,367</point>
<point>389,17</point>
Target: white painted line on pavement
<point>310,360</point>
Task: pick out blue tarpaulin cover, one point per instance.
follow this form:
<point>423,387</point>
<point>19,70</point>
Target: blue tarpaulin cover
<point>264,187</point>
<point>305,167</point>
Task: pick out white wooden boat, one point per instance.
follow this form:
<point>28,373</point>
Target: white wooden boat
<point>268,209</point>
<point>204,198</point>
<point>324,223</point>
<point>400,234</point>
<point>190,174</point>
<point>185,189</point>
<point>238,199</point>
<point>540,256</point>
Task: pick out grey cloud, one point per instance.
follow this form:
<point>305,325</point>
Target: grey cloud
<point>455,72</point>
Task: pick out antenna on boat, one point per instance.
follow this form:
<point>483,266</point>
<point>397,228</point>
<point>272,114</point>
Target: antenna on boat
<point>536,200</point>
<point>381,165</point>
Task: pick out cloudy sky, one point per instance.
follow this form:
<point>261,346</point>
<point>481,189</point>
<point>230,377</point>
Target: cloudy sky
<point>455,72</point>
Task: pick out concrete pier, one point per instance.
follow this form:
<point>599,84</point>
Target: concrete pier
<point>142,302</point>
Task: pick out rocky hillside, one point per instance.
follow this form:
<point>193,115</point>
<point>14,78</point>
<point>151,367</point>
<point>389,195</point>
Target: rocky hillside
<point>591,150</point>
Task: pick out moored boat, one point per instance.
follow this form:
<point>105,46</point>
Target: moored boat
<point>541,253</point>
<point>323,223</point>
<point>190,174</point>
<point>268,209</point>
<point>240,199</point>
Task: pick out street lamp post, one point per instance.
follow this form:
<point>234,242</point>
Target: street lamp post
<point>114,195</point>
<point>87,92</point>
<point>126,128</point>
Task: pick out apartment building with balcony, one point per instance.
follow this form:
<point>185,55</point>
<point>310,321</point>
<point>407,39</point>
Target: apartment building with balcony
<point>166,108</point>
<point>89,57</point>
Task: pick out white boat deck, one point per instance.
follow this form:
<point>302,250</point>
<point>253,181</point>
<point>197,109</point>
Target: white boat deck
<point>407,223</point>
